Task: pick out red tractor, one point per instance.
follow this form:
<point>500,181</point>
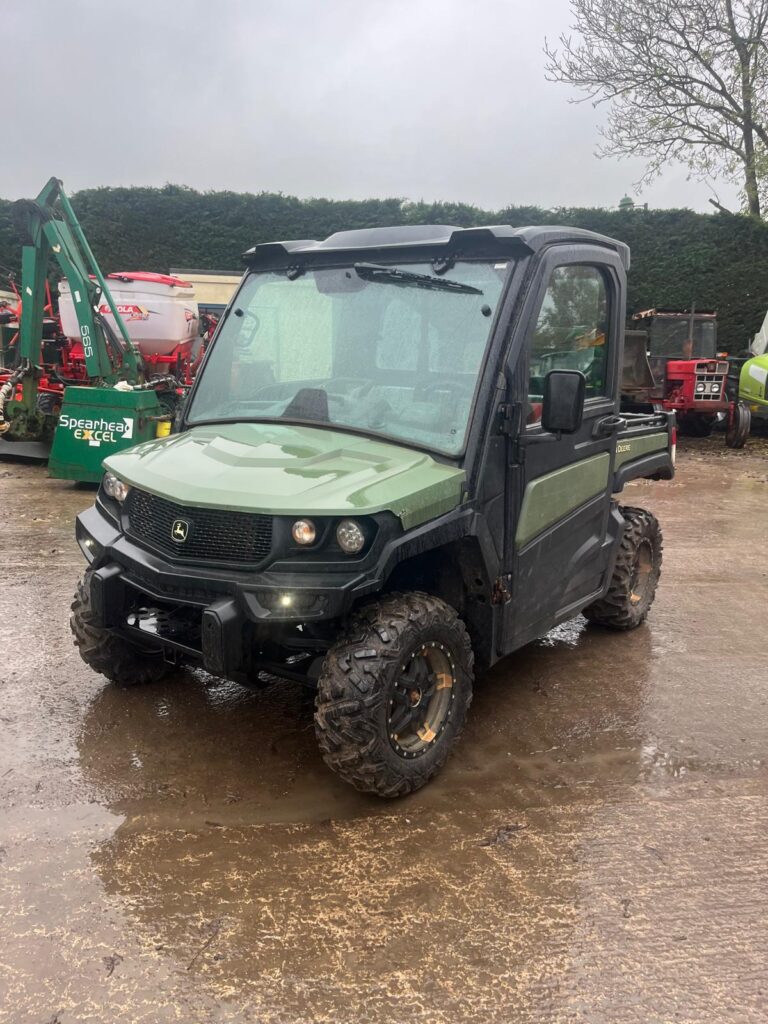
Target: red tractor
<point>671,363</point>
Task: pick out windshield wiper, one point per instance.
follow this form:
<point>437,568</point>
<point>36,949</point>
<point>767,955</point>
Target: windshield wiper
<point>391,275</point>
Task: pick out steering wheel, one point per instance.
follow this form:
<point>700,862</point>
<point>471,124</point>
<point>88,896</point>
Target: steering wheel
<point>355,393</point>
<point>445,384</point>
<point>334,398</point>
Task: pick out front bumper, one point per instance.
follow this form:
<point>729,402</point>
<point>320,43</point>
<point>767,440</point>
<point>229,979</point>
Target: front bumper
<point>202,613</point>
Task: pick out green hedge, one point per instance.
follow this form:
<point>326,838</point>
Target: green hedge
<point>678,257</point>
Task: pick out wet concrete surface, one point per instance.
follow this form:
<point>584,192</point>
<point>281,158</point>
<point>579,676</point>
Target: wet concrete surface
<point>595,850</point>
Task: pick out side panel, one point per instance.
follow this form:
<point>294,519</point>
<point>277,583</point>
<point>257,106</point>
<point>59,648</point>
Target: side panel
<point>561,568</point>
<point>630,448</point>
<point>556,495</point>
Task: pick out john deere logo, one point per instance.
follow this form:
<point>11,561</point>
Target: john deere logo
<point>180,531</point>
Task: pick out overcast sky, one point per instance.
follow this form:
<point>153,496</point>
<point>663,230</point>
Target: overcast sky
<point>423,99</point>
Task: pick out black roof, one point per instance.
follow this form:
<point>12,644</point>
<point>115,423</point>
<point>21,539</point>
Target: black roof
<point>493,240</point>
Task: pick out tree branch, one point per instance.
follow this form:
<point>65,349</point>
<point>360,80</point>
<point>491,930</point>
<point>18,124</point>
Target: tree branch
<point>685,80</point>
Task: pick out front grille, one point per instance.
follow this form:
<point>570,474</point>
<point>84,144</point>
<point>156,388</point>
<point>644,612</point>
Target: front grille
<point>210,535</point>
<point>710,393</point>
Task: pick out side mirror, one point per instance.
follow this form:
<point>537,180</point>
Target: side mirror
<point>563,404</point>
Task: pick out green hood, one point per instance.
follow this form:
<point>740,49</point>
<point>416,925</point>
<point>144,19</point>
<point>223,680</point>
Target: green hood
<point>290,470</point>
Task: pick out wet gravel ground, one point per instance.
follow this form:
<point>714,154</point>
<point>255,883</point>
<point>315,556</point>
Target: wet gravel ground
<point>594,852</point>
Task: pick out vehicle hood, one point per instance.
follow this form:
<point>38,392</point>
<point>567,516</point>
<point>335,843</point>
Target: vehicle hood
<point>291,470</point>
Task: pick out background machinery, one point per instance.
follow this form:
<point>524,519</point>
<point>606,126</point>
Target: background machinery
<point>749,374</point>
<point>671,363</point>
<point>78,389</point>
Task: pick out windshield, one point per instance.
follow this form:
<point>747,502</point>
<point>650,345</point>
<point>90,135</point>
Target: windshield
<point>387,350</point>
<point>672,337</point>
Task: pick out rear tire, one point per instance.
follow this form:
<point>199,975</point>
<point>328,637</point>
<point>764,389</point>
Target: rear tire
<point>393,694</point>
<point>635,575</point>
<point>48,404</point>
<point>108,654</point>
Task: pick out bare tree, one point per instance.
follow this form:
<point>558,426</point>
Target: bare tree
<point>686,80</point>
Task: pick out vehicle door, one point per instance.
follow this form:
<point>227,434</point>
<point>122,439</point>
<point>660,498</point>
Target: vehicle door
<point>558,498</point>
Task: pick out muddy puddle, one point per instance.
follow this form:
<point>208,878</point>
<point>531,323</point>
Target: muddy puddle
<point>592,851</point>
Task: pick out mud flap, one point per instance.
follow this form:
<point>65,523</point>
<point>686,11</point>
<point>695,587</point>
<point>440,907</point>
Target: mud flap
<point>222,638</point>
<point>107,596</point>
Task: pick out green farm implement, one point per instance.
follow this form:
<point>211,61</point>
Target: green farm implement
<point>73,422</point>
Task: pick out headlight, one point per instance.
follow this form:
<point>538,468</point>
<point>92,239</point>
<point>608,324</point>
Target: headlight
<point>303,531</point>
<point>115,487</point>
<point>350,537</point>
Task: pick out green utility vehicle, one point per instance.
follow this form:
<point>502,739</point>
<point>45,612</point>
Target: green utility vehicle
<point>397,464</point>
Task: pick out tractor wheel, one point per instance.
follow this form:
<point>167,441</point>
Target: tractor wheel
<point>48,404</point>
<point>108,654</point>
<point>635,575</point>
<point>393,694</point>
<point>739,424</point>
<point>696,425</point>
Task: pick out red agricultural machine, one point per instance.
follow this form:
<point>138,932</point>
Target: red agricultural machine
<point>671,363</point>
<point>162,321</point>
<point>159,313</point>
<point>120,351</point>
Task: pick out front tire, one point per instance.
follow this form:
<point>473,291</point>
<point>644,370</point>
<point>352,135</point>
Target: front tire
<point>113,657</point>
<point>739,424</point>
<point>635,574</point>
<point>393,694</point>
